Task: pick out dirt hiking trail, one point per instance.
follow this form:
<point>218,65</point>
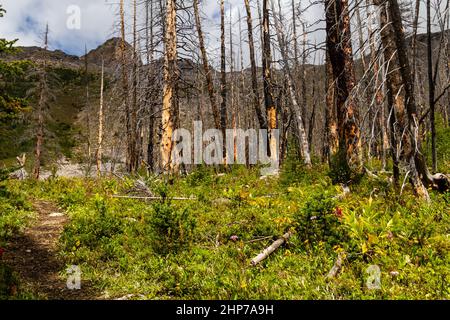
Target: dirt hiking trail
<point>34,256</point>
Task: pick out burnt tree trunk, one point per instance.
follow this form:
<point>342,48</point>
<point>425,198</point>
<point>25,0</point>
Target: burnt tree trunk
<point>255,90</point>
<point>208,76</point>
<point>340,51</point>
<point>271,110</point>
<point>419,175</point>
<point>331,143</point>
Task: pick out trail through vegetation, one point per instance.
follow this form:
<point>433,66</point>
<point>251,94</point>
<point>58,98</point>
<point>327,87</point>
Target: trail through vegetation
<point>34,256</point>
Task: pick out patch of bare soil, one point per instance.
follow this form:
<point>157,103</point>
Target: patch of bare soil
<point>34,256</point>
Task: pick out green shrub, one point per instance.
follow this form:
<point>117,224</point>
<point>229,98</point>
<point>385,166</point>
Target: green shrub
<point>200,176</point>
<point>340,171</point>
<point>92,227</point>
<point>442,145</point>
<point>293,169</point>
<point>172,228</point>
<point>318,221</point>
<point>8,282</point>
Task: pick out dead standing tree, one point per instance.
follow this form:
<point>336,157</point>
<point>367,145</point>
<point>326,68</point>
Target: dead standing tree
<point>99,154</point>
<point>125,90</point>
<point>304,145</point>
<point>340,54</point>
<point>331,143</point>
<point>206,68</point>
<point>405,106</point>
<point>255,90</point>
<point>169,87</point>
<point>40,111</point>
<point>272,121</point>
<point>134,148</point>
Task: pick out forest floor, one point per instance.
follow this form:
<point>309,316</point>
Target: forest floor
<point>34,256</point>
<point>202,247</point>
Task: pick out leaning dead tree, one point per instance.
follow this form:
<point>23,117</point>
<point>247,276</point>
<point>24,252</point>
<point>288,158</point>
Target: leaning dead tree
<point>406,108</point>
<point>304,145</point>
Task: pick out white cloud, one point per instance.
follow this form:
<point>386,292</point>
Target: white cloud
<point>26,20</point>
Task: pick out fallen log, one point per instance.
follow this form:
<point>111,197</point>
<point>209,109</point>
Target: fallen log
<point>152,198</point>
<point>274,246</point>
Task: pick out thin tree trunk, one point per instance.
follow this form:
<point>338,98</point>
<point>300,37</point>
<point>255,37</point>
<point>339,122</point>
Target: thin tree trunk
<point>232,89</point>
<point>271,111</point>
<point>87,109</point>
<point>414,37</point>
<point>431,88</point>
<point>208,76</point>
<point>134,150</point>
<point>303,77</point>
<point>125,89</point>
<point>150,77</point>
<point>100,125</point>
<point>255,90</point>
<point>294,34</point>
<point>223,65</point>
<point>40,112</point>
<point>312,120</point>
<point>291,87</point>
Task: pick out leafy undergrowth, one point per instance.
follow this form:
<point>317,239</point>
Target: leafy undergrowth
<point>201,248</point>
<point>15,214</point>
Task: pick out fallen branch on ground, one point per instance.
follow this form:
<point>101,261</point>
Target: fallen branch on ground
<point>259,239</point>
<point>371,174</point>
<point>152,198</point>
<point>337,267</point>
<point>140,186</point>
<point>274,246</point>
